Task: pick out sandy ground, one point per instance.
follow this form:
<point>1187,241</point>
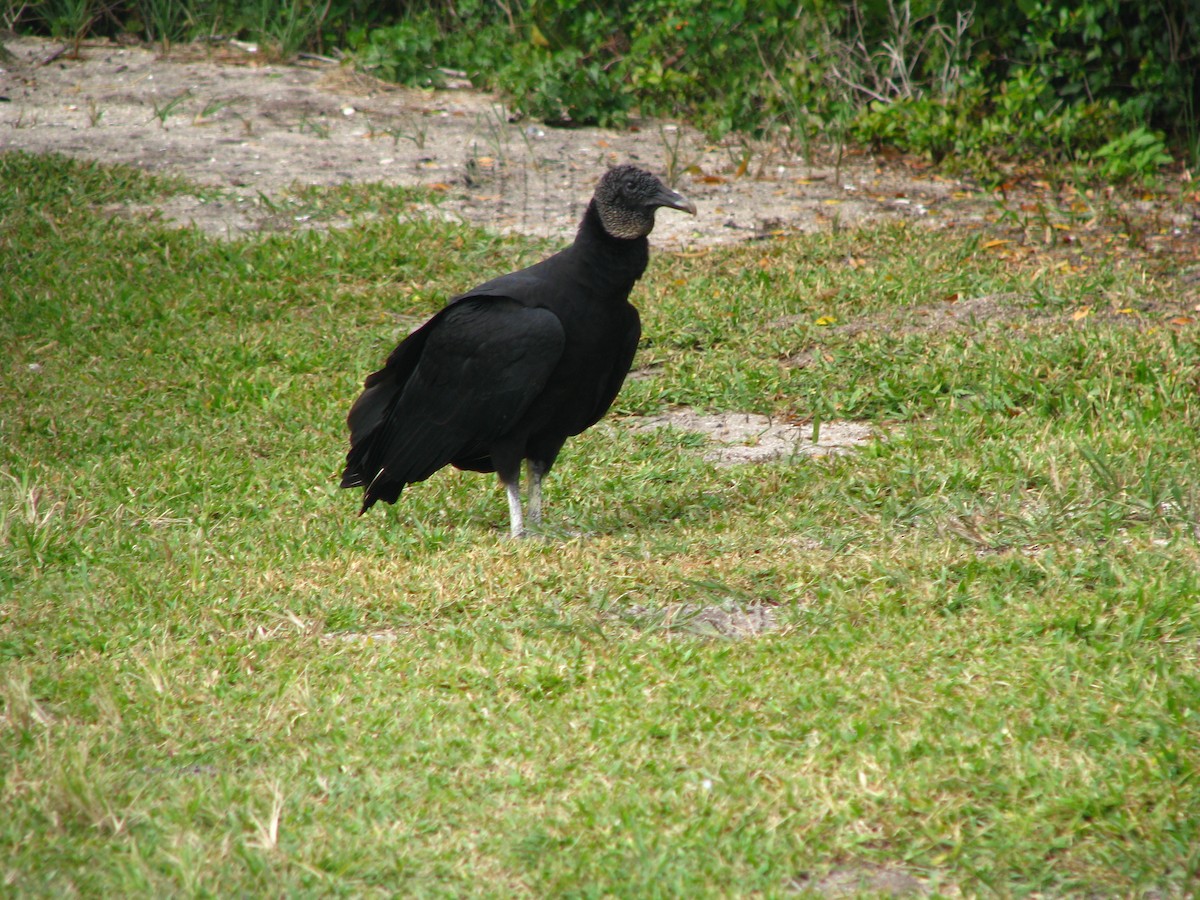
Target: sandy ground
<point>748,438</point>
<point>223,118</point>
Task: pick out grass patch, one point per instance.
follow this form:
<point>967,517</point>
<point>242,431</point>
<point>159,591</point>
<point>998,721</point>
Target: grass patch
<point>985,667</point>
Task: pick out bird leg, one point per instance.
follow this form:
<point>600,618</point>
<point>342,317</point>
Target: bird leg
<point>536,472</point>
<point>512,490</point>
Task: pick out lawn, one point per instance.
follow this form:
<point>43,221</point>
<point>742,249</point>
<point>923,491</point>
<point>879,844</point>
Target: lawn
<point>217,680</point>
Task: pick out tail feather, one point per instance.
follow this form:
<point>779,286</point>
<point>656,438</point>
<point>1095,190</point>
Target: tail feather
<point>366,419</point>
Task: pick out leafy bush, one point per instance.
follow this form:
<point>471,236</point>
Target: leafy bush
<point>1022,118</point>
<point>1135,154</point>
<point>405,52</point>
<point>1053,78</point>
<point>578,61</point>
<point>288,27</point>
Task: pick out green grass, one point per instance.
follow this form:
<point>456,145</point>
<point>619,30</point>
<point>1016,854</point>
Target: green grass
<point>987,673</point>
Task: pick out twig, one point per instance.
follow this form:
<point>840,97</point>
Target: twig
<point>46,60</point>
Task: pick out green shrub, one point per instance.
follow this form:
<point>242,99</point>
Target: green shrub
<point>1107,68</point>
<point>406,52</point>
<point>289,27</point>
<point>1046,78</point>
<point>1135,154</point>
<point>577,61</point>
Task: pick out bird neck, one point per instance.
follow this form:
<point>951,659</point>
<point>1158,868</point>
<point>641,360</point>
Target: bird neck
<point>621,260</point>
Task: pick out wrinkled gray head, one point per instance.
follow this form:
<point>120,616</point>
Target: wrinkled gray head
<point>627,197</point>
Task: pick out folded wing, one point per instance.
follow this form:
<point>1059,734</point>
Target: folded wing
<point>450,389</point>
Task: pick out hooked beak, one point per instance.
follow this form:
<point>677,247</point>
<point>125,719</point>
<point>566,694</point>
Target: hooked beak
<point>667,197</point>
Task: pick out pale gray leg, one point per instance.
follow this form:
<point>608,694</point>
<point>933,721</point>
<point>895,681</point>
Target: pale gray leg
<point>516,525</point>
<point>536,473</point>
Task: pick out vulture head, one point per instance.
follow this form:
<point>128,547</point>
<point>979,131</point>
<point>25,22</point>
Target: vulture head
<point>627,197</point>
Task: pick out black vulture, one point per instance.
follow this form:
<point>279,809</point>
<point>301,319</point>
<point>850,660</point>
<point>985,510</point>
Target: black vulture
<point>508,371</point>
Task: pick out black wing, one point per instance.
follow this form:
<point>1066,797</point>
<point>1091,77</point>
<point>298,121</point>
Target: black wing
<point>449,390</point>
<point>623,352</point>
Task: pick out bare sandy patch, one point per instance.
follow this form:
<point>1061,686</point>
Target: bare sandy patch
<point>859,880</point>
<point>736,438</point>
<point>730,619</point>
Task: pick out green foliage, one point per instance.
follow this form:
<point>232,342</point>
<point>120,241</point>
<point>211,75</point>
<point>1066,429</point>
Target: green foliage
<point>1135,154</point>
<point>1020,119</point>
<point>404,52</point>
<point>68,19</point>
<point>284,27</point>
<point>1046,78</point>
<point>1105,68</point>
<point>578,61</point>
<point>1141,55</point>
